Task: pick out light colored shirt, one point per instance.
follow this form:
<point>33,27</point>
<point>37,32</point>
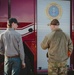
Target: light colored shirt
<point>11,43</point>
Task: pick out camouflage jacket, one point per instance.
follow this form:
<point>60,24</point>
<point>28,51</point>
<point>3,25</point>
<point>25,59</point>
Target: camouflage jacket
<point>58,45</point>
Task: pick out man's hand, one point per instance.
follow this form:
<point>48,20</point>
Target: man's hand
<point>69,53</point>
<point>23,65</point>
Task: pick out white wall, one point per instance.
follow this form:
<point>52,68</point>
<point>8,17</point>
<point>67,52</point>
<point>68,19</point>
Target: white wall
<point>43,29</point>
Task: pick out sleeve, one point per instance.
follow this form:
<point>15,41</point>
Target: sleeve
<point>70,45</point>
<point>44,43</point>
<point>21,48</point>
<point>1,46</point>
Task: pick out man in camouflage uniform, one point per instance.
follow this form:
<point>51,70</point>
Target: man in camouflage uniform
<point>59,45</point>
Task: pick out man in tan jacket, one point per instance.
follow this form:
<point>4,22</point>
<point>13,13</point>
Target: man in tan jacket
<point>59,45</point>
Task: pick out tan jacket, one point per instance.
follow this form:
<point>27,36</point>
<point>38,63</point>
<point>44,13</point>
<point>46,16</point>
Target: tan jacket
<point>58,45</point>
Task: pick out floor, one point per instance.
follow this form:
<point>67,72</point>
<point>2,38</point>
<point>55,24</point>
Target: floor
<point>69,73</point>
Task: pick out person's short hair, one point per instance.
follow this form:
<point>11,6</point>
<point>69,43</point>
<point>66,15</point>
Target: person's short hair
<point>11,20</point>
<point>54,22</point>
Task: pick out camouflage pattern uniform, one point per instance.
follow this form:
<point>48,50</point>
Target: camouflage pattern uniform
<point>55,68</point>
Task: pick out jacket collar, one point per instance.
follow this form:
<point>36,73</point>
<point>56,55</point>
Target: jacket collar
<point>57,29</point>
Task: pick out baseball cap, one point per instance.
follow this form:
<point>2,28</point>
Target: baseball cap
<point>11,20</point>
<point>54,22</point>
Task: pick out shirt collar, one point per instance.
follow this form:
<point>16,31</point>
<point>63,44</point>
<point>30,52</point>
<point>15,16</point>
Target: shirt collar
<point>10,29</point>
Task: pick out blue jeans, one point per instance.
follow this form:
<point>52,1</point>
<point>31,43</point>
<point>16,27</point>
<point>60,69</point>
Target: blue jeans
<point>12,66</point>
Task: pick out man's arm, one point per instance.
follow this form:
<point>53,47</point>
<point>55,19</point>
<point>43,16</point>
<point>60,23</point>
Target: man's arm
<point>22,54</point>
<point>44,43</point>
<point>70,47</point>
<point>1,46</point>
